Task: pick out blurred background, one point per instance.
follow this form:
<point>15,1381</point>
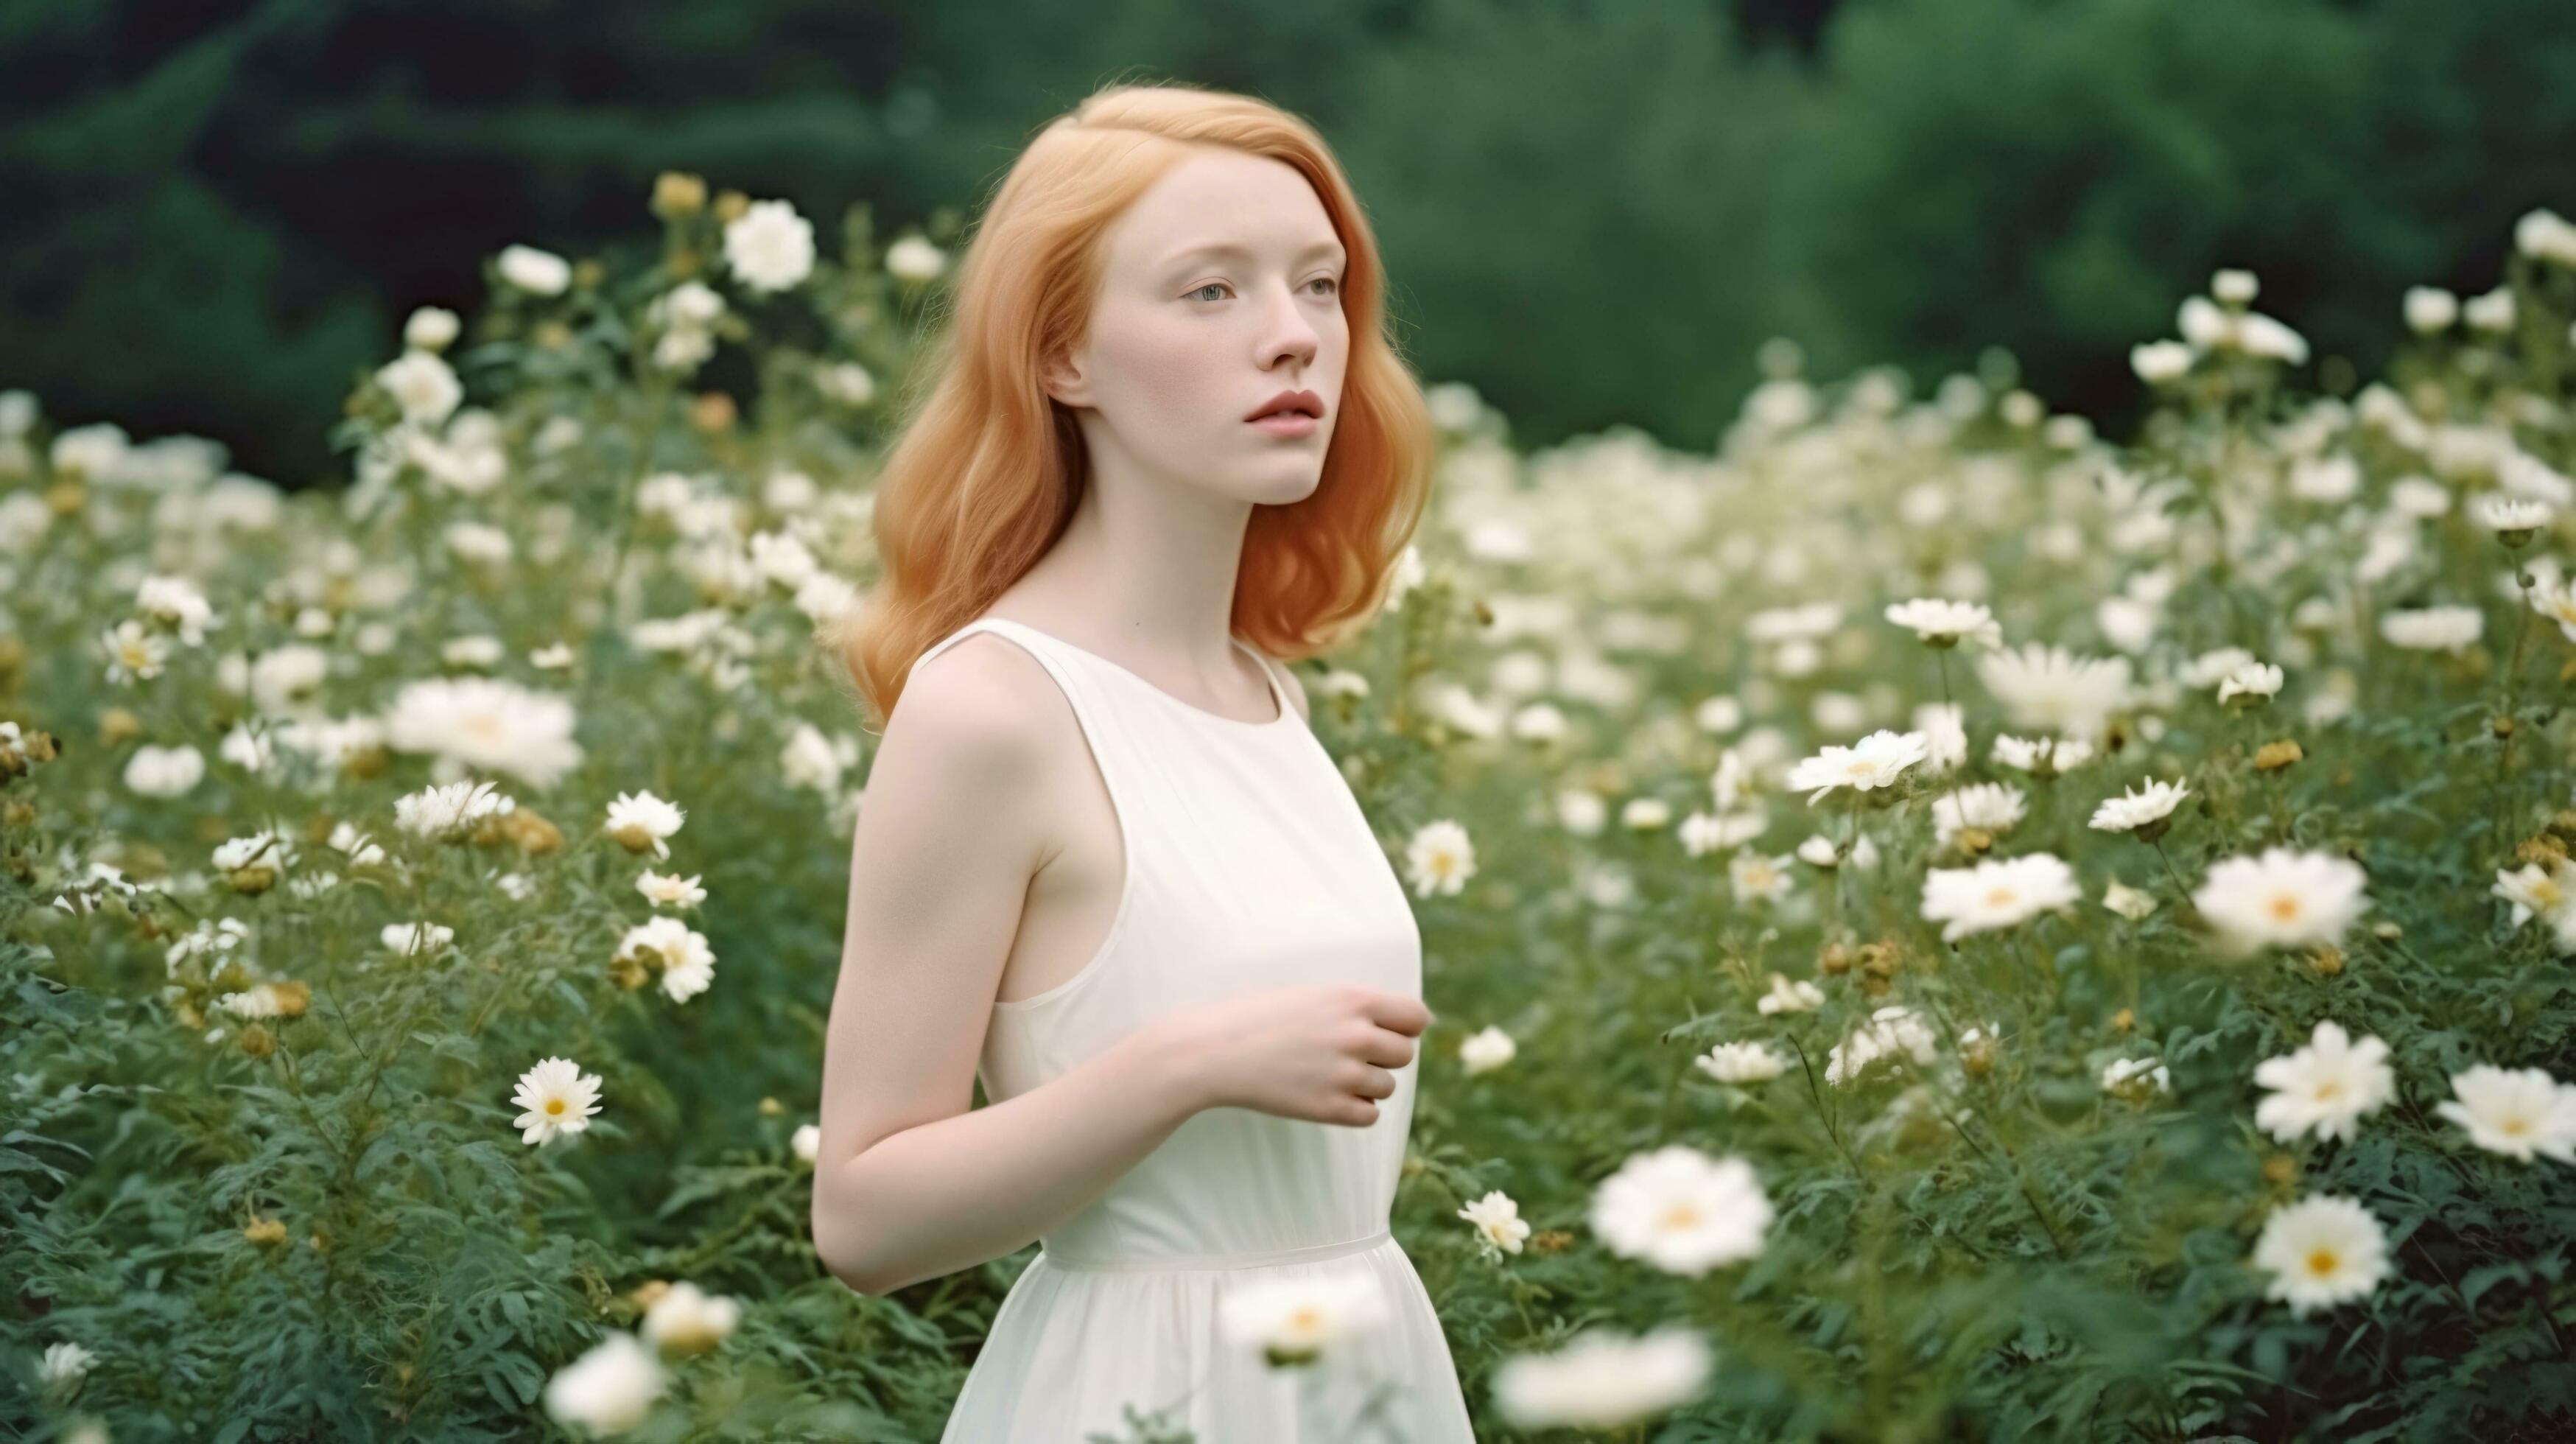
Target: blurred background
<point>1596,213</point>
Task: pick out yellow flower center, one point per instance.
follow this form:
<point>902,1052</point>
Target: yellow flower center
<point>1680,1215</point>
<point>2000,897</point>
<point>2285,907</point>
<point>555,1107</point>
<point>2322,1261</point>
<point>1306,1320</point>
<point>2513,1125</point>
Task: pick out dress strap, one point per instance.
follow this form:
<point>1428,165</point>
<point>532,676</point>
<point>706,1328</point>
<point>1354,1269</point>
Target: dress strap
<point>1276,671</point>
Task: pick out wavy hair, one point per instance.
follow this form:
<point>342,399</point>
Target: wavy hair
<point>985,472</point>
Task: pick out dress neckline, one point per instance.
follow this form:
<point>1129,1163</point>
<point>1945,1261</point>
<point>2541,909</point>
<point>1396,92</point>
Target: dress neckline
<point>1278,696</point>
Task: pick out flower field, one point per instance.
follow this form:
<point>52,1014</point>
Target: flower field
<point>1941,926</point>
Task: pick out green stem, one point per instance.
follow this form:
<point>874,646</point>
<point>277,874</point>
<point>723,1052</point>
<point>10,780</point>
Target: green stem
<point>2512,691</point>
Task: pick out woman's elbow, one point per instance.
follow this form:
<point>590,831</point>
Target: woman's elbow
<point>828,1222</point>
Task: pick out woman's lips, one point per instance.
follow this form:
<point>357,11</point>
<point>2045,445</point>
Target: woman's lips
<point>1286,423</point>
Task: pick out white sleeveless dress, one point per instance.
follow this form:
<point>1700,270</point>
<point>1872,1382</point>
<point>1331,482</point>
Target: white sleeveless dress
<point>1249,866</point>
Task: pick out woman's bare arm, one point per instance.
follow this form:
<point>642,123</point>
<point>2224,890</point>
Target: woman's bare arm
<point>909,1183</point>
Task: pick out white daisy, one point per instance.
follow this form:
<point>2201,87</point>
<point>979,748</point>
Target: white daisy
<point>133,653</point>
<point>814,759</point>
<point>1603,1379</point>
<point>2492,312</point>
<point>2507,515</point>
<point>2137,811</point>
<point>487,723</point>
<point>1440,858</point>
<point>2127,901</point>
<point>1945,734</point>
<point>448,813</point>
<point>687,964</point>
<point>2430,309</point>
<point>1893,1033</point>
<point>1730,781</point>
<point>2321,1251</point>
<point>357,847</point>
<point>2325,1087</point>
<point>806,1142</point>
<point>915,259</point>
<point>2135,1078</point>
<point>176,603</point>
<point>2432,629</point>
<point>424,387</point>
<point>1682,1210</point>
<point>1703,832</point>
<point>539,273</point>
<point>769,246</point>
<point>1581,811</point>
<point>559,1099</point>
<point>2535,890</point>
<point>640,821</point>
<point>1485,1050</point>
<point>1757,878</point>
<point>1788,996</point>
<point>2041,756</point>
<point>2255,681</point>
<point>254,861</point>
<point>2281,899</point>
<point>1994,808</point>
<point>608,1390</point>
<point>2520,1113</point>
<point>1872,762</point>
<point>686,1320</point>
<point>1940,623</point>
<point>164,771</point>
<point>1645,814</point>
<point>671,890</point>
<point>1500,1229</point>
<point>64,1365</point>
<point>2055,689</point>
<point>1742,1063</point>
<point>1996,893</point>
<point>409,938</point>
<point>431,328</point>
<point>2157,362</point>
<point>1292,1318</point>
<point>260,1000</point>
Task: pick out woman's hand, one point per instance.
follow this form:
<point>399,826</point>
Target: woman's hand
<point>1323,1053</point>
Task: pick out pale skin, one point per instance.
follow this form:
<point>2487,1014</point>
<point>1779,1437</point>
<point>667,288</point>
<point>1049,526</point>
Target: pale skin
<point>986,862</point>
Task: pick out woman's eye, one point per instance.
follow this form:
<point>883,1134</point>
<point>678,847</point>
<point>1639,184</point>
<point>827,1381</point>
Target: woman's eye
<point>1332,284</point>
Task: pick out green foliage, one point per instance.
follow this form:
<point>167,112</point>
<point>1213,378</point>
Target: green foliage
<point>265,1165</point>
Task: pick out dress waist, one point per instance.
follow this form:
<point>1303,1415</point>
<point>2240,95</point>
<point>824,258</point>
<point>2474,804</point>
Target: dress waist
<point>1192,1263</point>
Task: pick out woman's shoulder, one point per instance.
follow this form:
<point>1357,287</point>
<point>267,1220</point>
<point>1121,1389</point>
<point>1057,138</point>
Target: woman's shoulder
<point>985,699</point>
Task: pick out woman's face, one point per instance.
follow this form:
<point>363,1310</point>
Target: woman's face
<point>1221,288</point>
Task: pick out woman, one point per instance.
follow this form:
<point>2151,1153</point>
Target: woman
<point>1101,862</point>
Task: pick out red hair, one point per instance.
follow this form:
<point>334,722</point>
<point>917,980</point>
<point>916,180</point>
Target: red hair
<point>987,468</point>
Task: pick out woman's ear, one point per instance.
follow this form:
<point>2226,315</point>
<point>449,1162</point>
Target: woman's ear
<point>1063,380</point>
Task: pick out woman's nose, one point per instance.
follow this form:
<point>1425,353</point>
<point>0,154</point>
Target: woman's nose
<point>1289,335</point>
